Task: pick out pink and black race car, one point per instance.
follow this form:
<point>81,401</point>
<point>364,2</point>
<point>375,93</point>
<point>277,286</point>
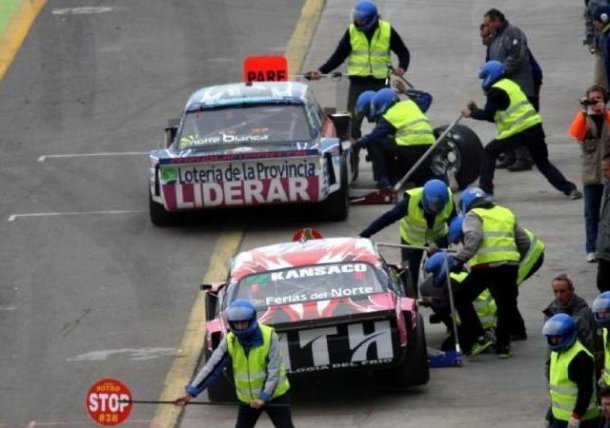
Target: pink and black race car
<point>336,305</point>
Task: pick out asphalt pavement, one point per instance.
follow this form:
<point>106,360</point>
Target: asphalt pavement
<point>445,55</point>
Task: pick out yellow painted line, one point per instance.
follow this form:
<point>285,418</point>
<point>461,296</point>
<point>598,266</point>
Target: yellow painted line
<point>191,347</point>
<point>16,31</point>
<point>303,34</point>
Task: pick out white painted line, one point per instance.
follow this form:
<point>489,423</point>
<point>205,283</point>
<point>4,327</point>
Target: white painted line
<point>86,10</point>
<point>14,217</point>
<point>89,155</point>
<point>7,308</point>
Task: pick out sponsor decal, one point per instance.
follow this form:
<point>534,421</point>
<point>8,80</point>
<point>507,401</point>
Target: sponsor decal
<point>343,346</point>
<point>239,171</point>
<point>239,183</point>
<point>222,138</point>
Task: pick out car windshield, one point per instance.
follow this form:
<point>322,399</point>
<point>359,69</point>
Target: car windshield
<point>248,125</point>
<point>309,283</point>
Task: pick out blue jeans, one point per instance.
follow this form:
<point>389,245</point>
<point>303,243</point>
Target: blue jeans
<point>593,199</point>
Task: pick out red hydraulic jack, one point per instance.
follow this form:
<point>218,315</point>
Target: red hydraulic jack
<point>390,195</point>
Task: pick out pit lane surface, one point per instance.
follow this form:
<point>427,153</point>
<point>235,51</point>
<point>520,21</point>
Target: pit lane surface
<point>89,288</point>
<point>446,53</point>
<point>72,285</point>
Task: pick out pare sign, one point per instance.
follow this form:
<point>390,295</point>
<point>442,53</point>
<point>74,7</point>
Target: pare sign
<point>108,402</point>
<point>265,68</point>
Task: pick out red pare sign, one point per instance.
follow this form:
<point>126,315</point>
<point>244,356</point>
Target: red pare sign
<point>108,402</point>
<point>265,68</point>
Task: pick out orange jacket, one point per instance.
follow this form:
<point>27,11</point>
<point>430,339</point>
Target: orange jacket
<point>578,128</point>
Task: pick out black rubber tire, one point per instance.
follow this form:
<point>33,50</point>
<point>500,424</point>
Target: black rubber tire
<point>159,216</point>
<point>470,154</point>
<point>414,370</point>
<point>336,206</point>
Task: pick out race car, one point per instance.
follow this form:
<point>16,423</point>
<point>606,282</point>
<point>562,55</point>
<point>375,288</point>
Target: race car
<point>248,144</point>
<point>337,307</point>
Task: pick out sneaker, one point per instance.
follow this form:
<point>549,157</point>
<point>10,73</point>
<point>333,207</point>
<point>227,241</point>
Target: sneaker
<point>504,352</point>
<point>575,194</point>
<point>519,166</point>
<point>481,345</point>
<point>505,163</point>
<point>591,258</point>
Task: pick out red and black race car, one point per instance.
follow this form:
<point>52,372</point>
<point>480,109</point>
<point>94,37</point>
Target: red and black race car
<point>336,305</point>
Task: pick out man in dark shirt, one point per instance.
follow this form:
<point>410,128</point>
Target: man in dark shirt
<point>570,373</point>
<point>367,71</point>
<point>518,123</point>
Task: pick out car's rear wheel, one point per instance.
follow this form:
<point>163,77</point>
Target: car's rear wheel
<point>414,369</point>
<point>461,152</point>
<point>159,216</point>
<point>336,206</point>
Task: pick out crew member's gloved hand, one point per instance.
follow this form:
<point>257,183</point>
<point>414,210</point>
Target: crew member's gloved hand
<point>358,145</point>
<point>313,75</point>
<point>573,422</point>
<point>432,248</point>
<point>457,266</point>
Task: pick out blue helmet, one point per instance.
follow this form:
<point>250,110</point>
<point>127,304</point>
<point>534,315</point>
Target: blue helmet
<point>435,196</point>
<point>363,105</point>
<point>435,265</point>
<point>242,310</point>
<point>601,305</point>
<point>381,102</point>
<point>364,15</point>
<point>560,326</point>
<point>455,229</point>
<point>470,196</point>
<point>491,72</point>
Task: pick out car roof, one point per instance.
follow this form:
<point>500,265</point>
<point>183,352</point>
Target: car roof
<point>240,94</point>
<point>307,253</point>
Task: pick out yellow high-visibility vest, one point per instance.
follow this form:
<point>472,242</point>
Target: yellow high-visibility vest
<point>498,243</point>
<point>563,391</point>
<point>531,257</point>
<point>412,126</point>
<point>520,114</point>
<point>370,59</point>
<point>414,227</point>
<point>250,372</point>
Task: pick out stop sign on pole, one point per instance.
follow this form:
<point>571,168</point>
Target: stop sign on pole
<point>108,402</point>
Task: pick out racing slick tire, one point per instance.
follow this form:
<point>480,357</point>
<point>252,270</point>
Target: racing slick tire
<point>159,216</point>
<point>336,206</point>
<point>414,369</point>
<point>461,152</point>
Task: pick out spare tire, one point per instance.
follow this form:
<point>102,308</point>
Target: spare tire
<point>460,152</point>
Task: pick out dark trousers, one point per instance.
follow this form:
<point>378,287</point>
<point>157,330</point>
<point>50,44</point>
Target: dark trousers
<point>593,194</point>
<point>533,139</point>
<point>603,275</point>
<point>521,153</point>
<point>355,89</point>
<point>502,284</point>
<point>280,416</point>
<point>392,161</point>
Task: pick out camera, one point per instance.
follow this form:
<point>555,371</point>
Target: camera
<point>585,102</point>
